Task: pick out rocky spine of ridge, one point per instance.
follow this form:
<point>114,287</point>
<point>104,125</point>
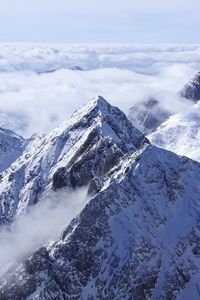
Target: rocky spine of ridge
<point>191,90</point>
<point>82,148</point>
<point>129,242</point>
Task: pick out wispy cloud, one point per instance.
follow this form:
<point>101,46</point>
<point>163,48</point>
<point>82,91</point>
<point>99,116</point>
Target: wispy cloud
<point>42,224</point>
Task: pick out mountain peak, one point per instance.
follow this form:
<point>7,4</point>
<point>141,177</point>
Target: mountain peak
<point>100,101</point>
<point>107,119</point>
<point>192,89</point>
<point>128,240</point>
<point>87,145</point>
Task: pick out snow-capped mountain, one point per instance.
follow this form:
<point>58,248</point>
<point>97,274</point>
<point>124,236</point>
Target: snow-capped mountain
<point>89,144</point>
<point>138,235</point>
<point>175,132</point>
<point>11,147</point>
<point>180,133</point>
<point>148,115</point>
<point>129,242</point>
<point>191,90</point>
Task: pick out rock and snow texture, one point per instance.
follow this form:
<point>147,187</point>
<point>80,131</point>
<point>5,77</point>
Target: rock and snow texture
<point>137,238</point>
<point>175,132</point>
<point>191,90</point>
<point>11,147</point>
<point>180,133</point>
<point>148,115</point>
<point>88,145</point>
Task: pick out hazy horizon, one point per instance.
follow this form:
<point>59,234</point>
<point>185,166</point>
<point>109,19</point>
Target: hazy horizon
<point>99,21</point>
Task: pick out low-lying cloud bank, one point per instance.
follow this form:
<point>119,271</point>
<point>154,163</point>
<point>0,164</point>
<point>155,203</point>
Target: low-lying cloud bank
<point>140,58</point>
<point>38,90</point>
<point>43,222</point>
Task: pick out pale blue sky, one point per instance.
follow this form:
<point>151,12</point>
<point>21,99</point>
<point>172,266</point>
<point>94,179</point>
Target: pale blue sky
<point>121,21</point>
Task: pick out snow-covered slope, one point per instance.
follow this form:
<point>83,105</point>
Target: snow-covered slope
<point>180,133</point>
<point>89,144</point>
<point>137,238</point>
<point>148,115</point>
<point>11,147</point>
<point>138,235</point>
<point>191,90</point>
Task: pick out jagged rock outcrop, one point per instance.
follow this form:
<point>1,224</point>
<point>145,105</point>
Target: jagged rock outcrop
<point>148,115</point>
<point>191,90</point>
<point>88,145</point>
<point>137,238</point>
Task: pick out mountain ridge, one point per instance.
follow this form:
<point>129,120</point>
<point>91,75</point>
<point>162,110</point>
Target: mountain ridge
<point>129,241</point>
<point>93,140</point>
<point>117,247</point>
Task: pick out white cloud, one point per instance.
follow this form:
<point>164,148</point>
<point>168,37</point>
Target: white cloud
<point>42,224</point>
<point>123,74</point>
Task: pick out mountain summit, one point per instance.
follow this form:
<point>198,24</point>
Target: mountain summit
<point>137,237</point>
<point>87,145</point>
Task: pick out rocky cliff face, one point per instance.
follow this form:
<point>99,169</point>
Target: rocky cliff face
<point>138,236</point>
<point>83,147</point>
<point>130,240</point>
<point>191,90</point>
<point>148,115</point>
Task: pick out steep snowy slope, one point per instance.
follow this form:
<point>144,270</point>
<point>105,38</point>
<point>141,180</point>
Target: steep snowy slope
<point>87,145</point>
<point>180,133</point>
<point>11,147</point>
<point>137,238</point>
<point>148,115</point>
<point>192,89</point>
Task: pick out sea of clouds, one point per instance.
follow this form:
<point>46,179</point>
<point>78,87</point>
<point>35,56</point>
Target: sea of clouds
<point>39,87</point>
